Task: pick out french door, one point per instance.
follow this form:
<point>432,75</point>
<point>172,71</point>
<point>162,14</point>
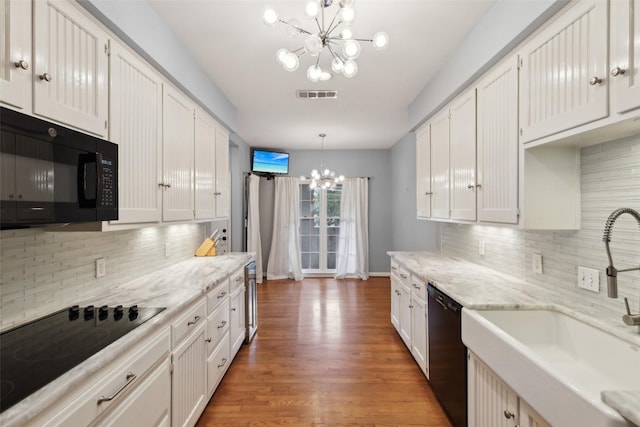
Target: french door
<point>319,228</point>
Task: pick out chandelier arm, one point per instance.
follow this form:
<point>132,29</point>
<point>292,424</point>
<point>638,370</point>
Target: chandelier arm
<point>302,30</point>
<point>331,26</point>
<point>334,54</point>
<point>364,40</point>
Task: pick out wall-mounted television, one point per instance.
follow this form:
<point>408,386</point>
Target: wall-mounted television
<point>269,161</point>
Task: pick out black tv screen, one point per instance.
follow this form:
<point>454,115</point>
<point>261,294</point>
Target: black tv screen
<point>269,161</point>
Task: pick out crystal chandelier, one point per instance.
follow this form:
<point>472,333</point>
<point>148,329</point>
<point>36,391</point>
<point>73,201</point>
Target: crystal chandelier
<point>324,178</point>
<point>336,37</point>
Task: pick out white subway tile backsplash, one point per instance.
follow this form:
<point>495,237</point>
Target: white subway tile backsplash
<point>41,272</point>
<point>610,180</point>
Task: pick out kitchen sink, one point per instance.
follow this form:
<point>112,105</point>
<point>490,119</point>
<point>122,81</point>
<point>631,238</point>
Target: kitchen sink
<point>558,364</point>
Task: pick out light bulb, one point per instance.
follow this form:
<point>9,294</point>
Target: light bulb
<point>337,65</point>
<point>326,172</point>
<point>341,178</point>
<point>290,62</point>
<point>347,14</point>
<point>280,55</point>
<point>351,49</point>
<point>270,16</point>
<point>313,45</point>
<point>313,73</point>
<point>314,173</point>
<point>325,75</point>
<point>380,40</point>
<point>350,69</point>
<point>346,34</point>
<point>312,9</point>
<point>313,185</point>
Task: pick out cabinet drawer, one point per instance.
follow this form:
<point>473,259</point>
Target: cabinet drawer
<point>418,287</point>
<point>400,272</point>
<point>187,322</point>
<point>116,383</point>
<point>217,364</point>
<point>217,296</point>
<point>218,325</point>
<point>236,280</point>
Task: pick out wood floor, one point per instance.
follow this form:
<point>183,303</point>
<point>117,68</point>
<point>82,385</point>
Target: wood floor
<point>325,354</point>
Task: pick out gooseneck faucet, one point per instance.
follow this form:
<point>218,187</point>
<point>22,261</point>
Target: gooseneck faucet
<point>612,272</point>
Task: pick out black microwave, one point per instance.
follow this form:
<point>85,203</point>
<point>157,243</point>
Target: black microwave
<point>51,174</point>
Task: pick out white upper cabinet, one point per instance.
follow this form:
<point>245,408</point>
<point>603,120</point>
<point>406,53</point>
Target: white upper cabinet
<point>223,184</point>
<point>136,126</point>
<point>564,75</point>
<point>497,127</point>
<point>423,172</point>
<point>70,67</point>
<point>463,157</point>
<point>177,156</point>
<point>625,55</point>
<point>440,166</point>
<point>205,163</point>
<point>15,54</point>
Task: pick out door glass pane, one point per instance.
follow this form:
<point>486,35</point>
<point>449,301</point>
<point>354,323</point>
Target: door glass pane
<point>331,261</point>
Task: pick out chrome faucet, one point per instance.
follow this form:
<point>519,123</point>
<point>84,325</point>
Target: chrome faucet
<point>612,272</point>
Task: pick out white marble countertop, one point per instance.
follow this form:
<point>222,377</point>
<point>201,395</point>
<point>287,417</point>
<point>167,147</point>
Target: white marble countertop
<point>174,287</point>
<point>478,287</point>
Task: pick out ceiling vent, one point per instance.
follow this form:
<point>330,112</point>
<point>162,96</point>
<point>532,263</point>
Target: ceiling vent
<point>317,94</point>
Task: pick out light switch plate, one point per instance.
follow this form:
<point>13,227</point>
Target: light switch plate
<point>589,279</point>
<point>536,263</point>
<point>101,267</point>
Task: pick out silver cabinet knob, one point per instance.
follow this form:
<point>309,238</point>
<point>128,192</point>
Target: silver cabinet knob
<point>46,77</point>
<point>428,193</point>
<point>471,186</point>
<point>22,64</point>
<point>478,186</point>
<point>595,81</point>
<point>617,70</point>
<point>508,414</point>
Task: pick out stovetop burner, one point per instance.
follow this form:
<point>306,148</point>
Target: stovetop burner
<point>34,354</point>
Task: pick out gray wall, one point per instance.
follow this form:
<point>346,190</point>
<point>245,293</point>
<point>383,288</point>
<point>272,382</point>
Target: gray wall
<point>408,233</point>
<point>370,163</point>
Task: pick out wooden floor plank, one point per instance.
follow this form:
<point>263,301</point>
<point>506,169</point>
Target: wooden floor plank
<point>325,354</point>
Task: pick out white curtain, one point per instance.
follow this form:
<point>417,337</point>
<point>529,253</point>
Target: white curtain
<point>284,256</point>
<point>253,224</point>
<point>353,249</point>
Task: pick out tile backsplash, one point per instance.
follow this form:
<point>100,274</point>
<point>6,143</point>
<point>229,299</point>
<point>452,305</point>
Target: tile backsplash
<point>45,271</point>
<point>610,179</point>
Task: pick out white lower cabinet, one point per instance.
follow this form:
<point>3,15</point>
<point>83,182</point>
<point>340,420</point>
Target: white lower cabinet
<point>237,320</point>
<point>217,364</point>
<point>492,403</point>
<point>395,303</point>
<point>419,325</point>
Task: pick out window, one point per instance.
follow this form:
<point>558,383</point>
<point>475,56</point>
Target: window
<point>319,228</point>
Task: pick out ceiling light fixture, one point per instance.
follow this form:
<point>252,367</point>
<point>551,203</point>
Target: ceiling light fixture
<point>324,178</point>
<point>336,37</point>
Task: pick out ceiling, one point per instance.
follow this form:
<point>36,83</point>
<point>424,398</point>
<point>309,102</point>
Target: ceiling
<point>238,51</point>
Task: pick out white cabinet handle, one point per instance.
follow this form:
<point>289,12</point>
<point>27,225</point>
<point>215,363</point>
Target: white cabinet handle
<point>617,71</point>
<point>22,64</point>
<point>46,77</point>
<point>595,81</point>
<point>130,378</point>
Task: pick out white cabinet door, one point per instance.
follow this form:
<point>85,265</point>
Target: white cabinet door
<point>70,67</point>
<point>189,383</point>
<point>440,166</point>
<point>223,184</point>
<point>497,182</point>
<point>395,303</point>
<point>564,75</point>
<point>419,332</point>
<point>205,166</point>
<point>529,417</point>
<point>405,315</point>
<point>625,55</point>
<point>177,156</point>
<point>136,126</point>
<point>236,319</point>
<point>491,402</point>
<point>15,54</point>
<point>148,405</point>
<point>423,172</point>
<point>463,157</point>
<point>217,364</point>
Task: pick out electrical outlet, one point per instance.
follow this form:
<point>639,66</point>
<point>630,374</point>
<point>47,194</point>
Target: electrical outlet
<point>167,249</point>
<point>589,279</point>
<point>101,267</point>
<point>536,263</point>
<point>481,247</point>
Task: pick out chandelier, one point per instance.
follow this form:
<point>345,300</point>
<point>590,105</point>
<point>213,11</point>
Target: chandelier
<point>334,35</point>
<point>324,178</point>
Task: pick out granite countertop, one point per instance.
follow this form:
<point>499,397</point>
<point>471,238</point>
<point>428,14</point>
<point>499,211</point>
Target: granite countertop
<point>174,287</point>
<point>478,287</point>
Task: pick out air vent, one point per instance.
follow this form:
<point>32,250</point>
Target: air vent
<point>317,94</point>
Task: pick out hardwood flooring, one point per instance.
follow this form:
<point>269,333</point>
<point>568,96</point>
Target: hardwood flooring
<point>325,354</point>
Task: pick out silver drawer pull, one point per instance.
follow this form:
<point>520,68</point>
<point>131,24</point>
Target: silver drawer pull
<point>208,340</point>
<point>222,325</point>
<point>233,309</point>
<point>224,362</point>
<point>194,321</point>
<point>508,414</point>
<point>130,377</point>
<point>404,276</point>
<point>222,295</point>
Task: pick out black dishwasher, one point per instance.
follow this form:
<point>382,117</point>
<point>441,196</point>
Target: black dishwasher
<point>447,355</point>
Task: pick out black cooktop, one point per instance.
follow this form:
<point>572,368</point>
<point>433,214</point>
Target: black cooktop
<point>34,354</point>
